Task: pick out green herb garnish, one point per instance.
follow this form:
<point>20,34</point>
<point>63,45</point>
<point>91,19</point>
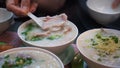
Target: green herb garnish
<point>7,56</point>
<point>115,38</point>
<point>19,62</point>
<point>94,42</point>
<point>98,36</point>
<point>52,37</point>
<point>35,38</point>
<point>29,28</point>
<point>116,56</point>
<point>99,59</point>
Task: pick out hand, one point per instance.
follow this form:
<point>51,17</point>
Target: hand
<point>115,4</point>
<point>21,7</point>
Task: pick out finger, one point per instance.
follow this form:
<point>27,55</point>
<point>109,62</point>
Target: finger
<point>33,7</point>
<point>25,5</point>
<point>13,5</point>
<point>115,4</point>
<point>9,3</point>
<point>18,11</point>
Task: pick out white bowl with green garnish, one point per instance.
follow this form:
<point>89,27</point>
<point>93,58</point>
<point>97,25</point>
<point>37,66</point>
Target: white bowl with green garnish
<point>29,57</point>
<point>55,41</point>
<point>100,48</point>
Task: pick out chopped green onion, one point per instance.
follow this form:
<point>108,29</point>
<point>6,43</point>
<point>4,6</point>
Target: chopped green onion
<point>114,38</point>
<point>98,36</point>
<point>94,42</point>
<point>19,62</point>
<point>35,38</point>
<point>99,59</point>
<point>52,37</point>
<point>116,56</point>
<point>7,56</point>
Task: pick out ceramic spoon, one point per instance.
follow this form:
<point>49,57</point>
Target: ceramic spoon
<point>36,19</point>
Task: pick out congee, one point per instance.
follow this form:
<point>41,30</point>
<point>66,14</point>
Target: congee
<point>29,58</point>
<point>55,31</point>
<point>101,46</point>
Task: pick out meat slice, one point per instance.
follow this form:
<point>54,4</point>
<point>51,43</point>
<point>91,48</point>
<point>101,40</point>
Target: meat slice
<point>54,29</point>
<point>55,21</point>
<point>66,29</point>
<point>42,34</point>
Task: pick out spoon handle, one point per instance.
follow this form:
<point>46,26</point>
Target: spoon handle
<point>36,19</point>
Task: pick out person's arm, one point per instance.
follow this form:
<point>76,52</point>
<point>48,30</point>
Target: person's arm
<point>115,4</point>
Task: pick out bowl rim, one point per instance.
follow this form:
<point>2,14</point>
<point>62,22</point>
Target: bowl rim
<point>89,7</point>
<point>8,16</point>
<point>81,51</point>
<point>35,49</point>
<point>47,46</point>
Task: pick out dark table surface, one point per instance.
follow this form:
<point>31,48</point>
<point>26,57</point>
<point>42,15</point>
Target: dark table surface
<point>77,13</point>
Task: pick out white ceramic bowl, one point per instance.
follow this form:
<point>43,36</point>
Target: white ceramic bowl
<point>41,58</point>
<point>55,46</point>
<point>89,54</point>
<point>102,12</point>
<point>6,18</point>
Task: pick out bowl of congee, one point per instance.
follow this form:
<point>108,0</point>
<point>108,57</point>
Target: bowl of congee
<point>100,47</point>
<point>29,57</point>
<point>55,34</point>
